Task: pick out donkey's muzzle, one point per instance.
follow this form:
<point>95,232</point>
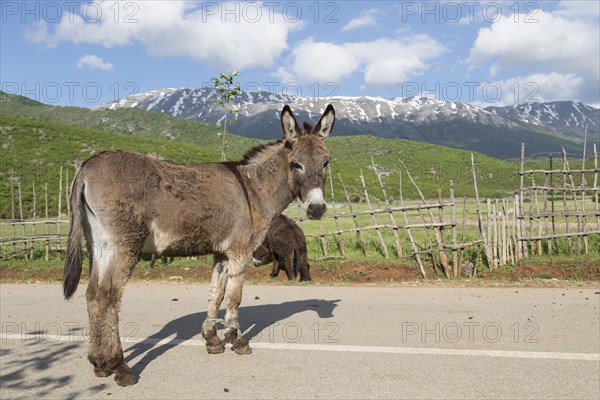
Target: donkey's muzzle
<point>316,210</point>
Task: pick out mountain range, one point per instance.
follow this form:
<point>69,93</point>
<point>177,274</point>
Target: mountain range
<point>496,131</point>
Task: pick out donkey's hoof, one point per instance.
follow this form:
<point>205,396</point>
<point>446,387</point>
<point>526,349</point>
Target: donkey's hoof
<point>218,349</point>
<point>123,375</point>
<point>242,346</point>
<point>231,336</point>
<point>125,379</point>
<point>213,345</point>
<point>102,372</point>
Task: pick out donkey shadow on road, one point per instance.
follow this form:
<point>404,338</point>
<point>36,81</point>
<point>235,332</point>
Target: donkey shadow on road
<point>253,320</point>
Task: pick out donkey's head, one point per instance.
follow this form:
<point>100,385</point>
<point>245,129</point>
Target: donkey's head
<point>308,159</point>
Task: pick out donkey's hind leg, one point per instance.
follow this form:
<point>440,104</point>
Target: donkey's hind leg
<point>104,297</point>
<point>215,298</point>
<point>101,259</point>
<point>96,313</point>
<point>233,293</point>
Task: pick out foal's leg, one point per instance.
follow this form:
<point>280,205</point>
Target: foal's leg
<point>289,266</point>
<point>275,270</point>
<point>215,298</point>
<point>233,293</point>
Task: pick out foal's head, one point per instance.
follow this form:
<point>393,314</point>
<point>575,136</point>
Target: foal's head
<point>308,159</point>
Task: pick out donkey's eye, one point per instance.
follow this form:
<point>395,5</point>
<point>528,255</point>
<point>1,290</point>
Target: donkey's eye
<point>325,164</point>
<point>297,166</point>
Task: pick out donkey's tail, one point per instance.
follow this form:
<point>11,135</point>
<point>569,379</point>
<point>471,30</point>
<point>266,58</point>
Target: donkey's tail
<point>72,270</point>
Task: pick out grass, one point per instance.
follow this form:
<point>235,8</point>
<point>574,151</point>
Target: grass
<point>38,139</point>
<point>35,151</point>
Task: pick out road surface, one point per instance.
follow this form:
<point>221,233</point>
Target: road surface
<point>313,342</point>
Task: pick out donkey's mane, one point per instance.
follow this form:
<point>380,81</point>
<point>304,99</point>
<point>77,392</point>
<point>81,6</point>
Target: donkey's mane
<point>253,153</point>
<point>307,128</point>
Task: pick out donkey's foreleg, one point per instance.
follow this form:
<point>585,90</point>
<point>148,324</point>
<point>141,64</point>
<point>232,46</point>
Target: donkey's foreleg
<point>215,298</point>
<point>233,295</point>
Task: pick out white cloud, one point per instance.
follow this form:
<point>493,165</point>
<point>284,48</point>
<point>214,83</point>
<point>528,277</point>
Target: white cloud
<point>383,61</point>
<point>366,18</point>
<point>578,8</point>
<point>565,41</point>
<point>532,88</point>
<point>94,62</point>
<point>565,45</point>
<point>251,36</point>
<point>38,32</point>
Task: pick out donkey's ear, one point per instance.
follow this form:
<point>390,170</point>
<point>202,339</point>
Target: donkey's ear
<point>291,131</point>
<point>325,124</point>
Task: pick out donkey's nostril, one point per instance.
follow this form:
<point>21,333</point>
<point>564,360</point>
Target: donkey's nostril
<point>316,211</point>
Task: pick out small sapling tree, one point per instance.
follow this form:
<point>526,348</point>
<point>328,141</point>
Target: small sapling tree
<point>227,91</point>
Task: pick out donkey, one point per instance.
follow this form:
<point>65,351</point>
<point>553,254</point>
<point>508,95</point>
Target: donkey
<point>285,242</point>
<point>125,203</point>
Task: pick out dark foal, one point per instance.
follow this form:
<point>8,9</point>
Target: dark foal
<point>285,242</point>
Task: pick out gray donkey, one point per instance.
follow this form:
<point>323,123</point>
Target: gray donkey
<point>126,203</point>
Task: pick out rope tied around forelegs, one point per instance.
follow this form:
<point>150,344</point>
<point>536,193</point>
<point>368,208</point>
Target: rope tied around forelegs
<point>214,321</point>
<point>221,321</point>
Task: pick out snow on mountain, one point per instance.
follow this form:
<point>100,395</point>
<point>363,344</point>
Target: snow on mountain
<point>559,116</point>
<point>197,104</point>
<point>492,130</point>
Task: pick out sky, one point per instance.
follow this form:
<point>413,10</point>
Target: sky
<point>481,52</point>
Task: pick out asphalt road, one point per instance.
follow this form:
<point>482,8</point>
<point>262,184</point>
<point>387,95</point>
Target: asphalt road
<point>314,342</point>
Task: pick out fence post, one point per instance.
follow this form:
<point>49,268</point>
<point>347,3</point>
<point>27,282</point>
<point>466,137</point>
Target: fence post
<point>522,243</point>
<point>583,186</point>
<point>381,241</point>
<point>356,225</point>
<point>34,216</point>
<point>60,189</point>
<point>453,221</point>
<point>340,238</point>
<point>21,217</point>
<point>488,256</point>
<point>438,236</point>
<point>546,223</point>
<point>596,207</point>
<point>391,214</point>
<point>517,226</point>
<point>409,234</point>
<point>462,231</point>
<point>12,210</point>
<point>47,226</point>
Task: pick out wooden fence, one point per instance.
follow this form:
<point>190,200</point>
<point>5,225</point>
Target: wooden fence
<point>442,243</point>
<point>27,234</point>
<point>550,208</point>
<point>564,212</point>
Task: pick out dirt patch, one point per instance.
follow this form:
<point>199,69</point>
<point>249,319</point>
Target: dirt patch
<point>578,269</point>
<point>540,272</point>
<point>353,271</point>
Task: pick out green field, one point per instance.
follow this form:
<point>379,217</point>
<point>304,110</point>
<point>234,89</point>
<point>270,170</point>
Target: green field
<point>38,140</point>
